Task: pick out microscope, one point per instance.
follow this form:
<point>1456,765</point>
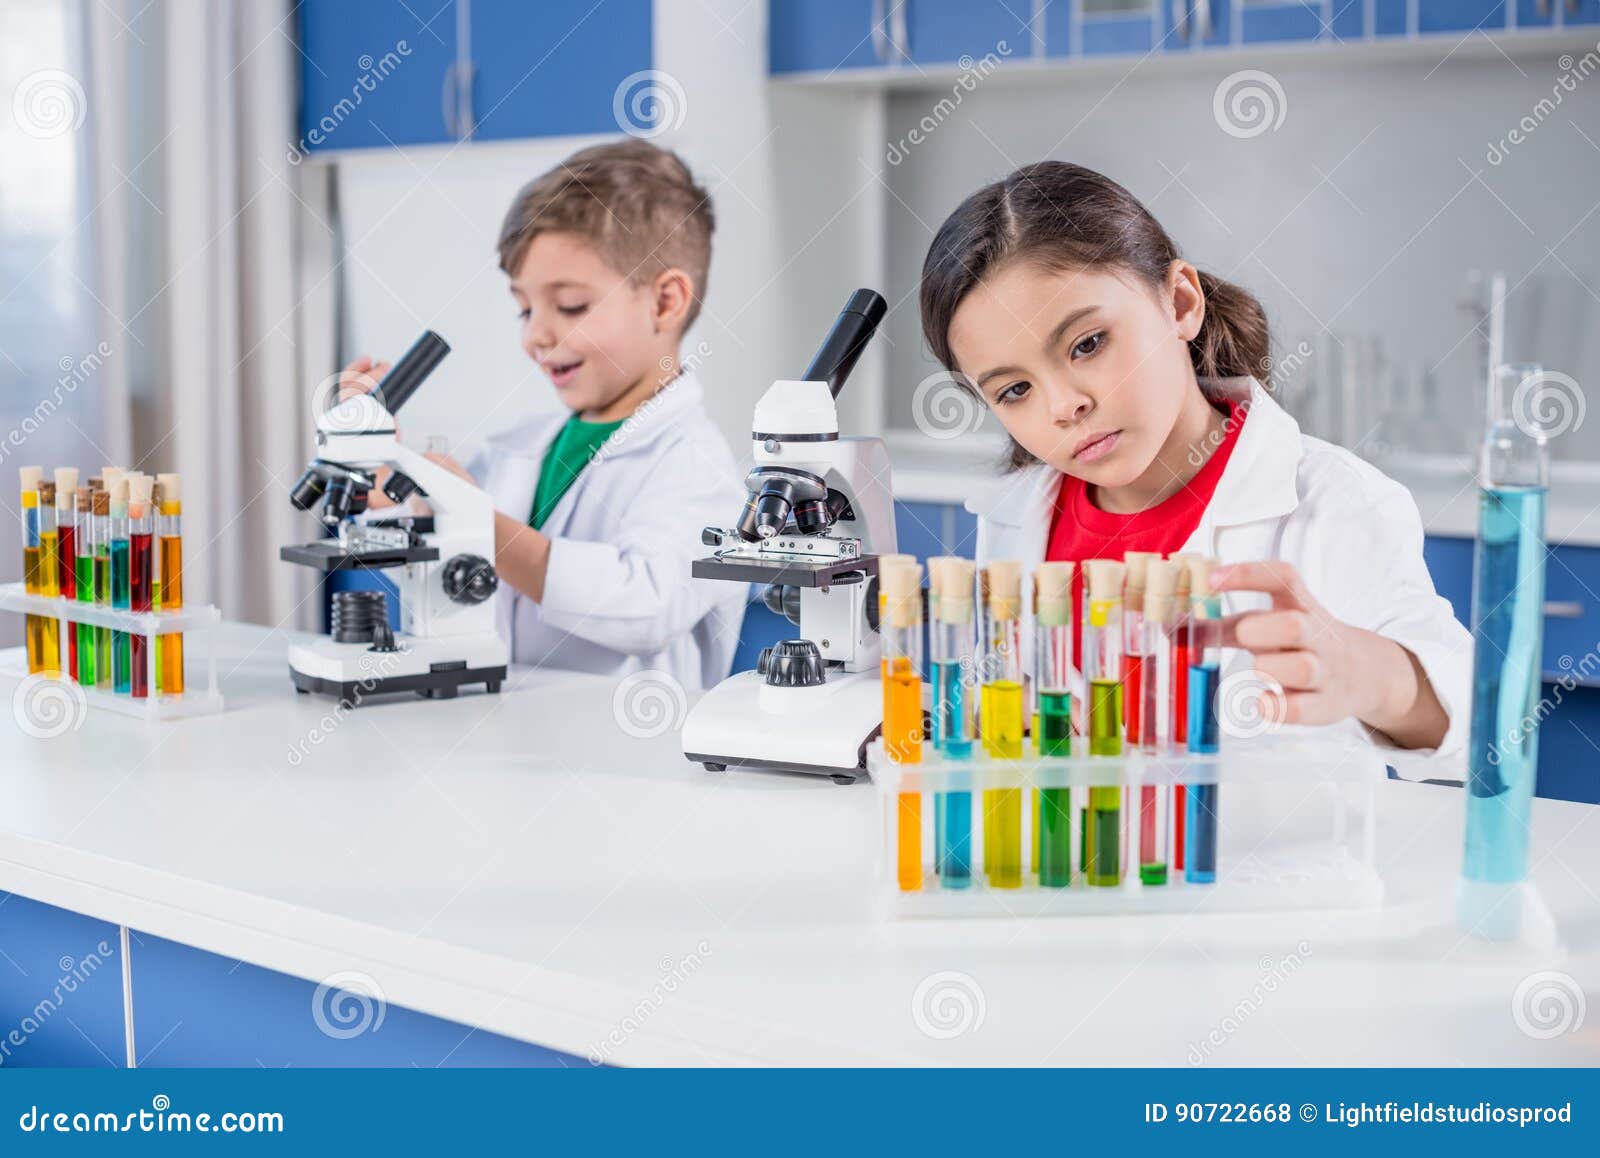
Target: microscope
<point>443,562</point>
<point>818,515</point>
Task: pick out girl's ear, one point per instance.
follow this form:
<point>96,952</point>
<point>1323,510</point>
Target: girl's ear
<point>1188,299</point>
<point>674,293</point>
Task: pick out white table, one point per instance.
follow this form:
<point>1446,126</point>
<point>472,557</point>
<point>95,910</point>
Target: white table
<point>521,864</point>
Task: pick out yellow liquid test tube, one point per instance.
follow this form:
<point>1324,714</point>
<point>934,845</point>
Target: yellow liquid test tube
<point>169,525</point>
<point>1001,704</point>
<point>900,619</point>
<point>49,578</point>
<point>33,625</point>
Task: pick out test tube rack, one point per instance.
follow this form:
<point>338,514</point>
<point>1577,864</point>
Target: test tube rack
<point>1295,829</point>
<point>196,623</point>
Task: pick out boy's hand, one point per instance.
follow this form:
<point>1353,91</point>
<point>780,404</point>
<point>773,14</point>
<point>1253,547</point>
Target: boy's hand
<point>450,465</point>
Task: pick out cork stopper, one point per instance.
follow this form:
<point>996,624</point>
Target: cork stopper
<point>47,494</point>
<point>102,502</point>
<point>109,477</point>
<point>1137,562</point>
<point>1005,589</point>
<point>1103,578</point>
<point>30,477</point>
<point>96,483</point>
<point>1161,587</point>
<point>171,490</point>
<point>118,490</point>
<point>83,500</point>
<point>1052,594</point>
<point>1181,558</point>
<point>950,588</point>
<point>1200,569</point>
<point>139,488</point>
<point>900,584</point>
<point>887,561</point>
<point>66,486</point>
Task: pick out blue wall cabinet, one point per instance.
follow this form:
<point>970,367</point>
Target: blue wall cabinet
<point>1104,27</point>
<point>832,35</point>
<point>60,988</point>
<point>375,73</point>
<point>1537,13</point>
<point>1194,24</point>
<point>1270,21</point>
<point>1579,11</point>
<point>193,1008</point>
<point>1460,15</point>
<point>559,67</point>
<point>826,35</point>
<point>382,72</point>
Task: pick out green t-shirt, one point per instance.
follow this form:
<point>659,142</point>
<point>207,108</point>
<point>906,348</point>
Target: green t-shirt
<point>574,445</point>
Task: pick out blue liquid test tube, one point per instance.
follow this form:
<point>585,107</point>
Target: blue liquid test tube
<point>1204,675</point>
<point>951,643</point>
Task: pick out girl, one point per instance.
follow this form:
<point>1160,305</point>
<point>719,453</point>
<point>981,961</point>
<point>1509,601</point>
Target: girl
<point>1131,385</point>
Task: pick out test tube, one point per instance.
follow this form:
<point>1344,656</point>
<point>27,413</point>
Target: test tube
<point>100,504</point>
<point>1205,672</point>
<point>951,642</point>
<point>49,576</point>
<point>900,622</point>
<point>1161,583</point>
<point>1102,657</point>
<point>66,484</point>
<point>1001,696</point>
<point>141,529</point>
<point>120,594</point>
<point>1178,711</point>
<point>34,624</point>
<point>1133,641</point>
<point>1052,682</point>
<point>83,582</point>
<point>169,656</point>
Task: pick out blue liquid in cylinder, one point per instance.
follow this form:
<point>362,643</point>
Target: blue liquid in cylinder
<point>1508,620</point>
<point>952,810</point>
<point>1200,804</point>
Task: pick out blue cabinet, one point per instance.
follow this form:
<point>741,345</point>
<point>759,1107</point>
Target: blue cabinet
<point>1460,15</point>
<point>1195,24</point>
<point>375,72</point>
<point>565,67</point>
<point>382,72</point>
<point>193,1008</point>
<point>1579,11</point>
<point>60,988</point>
<point>1104,27</point>
<point>1270,21</point>
<point>831,35</point>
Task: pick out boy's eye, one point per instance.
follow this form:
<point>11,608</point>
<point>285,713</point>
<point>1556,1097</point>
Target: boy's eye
<point>1089,345</point>
<point>524,315</point>
<point>1012,393</point>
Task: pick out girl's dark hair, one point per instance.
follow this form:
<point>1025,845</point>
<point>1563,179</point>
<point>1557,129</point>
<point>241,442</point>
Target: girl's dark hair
<point>1062,216</point>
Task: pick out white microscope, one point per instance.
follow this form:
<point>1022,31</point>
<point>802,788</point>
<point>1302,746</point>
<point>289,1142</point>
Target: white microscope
<point>446,574</point>
<point>820,511</point>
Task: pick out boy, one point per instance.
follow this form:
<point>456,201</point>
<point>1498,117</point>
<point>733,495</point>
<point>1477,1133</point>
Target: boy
<point>599,511</point>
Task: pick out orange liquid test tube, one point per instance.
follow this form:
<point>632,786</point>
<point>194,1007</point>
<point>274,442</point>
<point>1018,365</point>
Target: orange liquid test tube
<point>900,616</point>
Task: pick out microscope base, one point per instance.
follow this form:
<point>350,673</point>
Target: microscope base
<point>433,668</point>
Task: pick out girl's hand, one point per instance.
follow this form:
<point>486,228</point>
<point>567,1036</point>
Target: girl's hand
<point>1327,670</point>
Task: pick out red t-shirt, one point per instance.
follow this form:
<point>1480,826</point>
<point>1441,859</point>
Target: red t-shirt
<point>1080,530</point>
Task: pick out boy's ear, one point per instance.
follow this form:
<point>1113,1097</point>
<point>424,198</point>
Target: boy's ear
<point>674,294</point>
<point>1188,299</point>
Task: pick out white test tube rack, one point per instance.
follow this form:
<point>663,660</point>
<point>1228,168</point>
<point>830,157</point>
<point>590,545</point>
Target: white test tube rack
<point>196,624</point>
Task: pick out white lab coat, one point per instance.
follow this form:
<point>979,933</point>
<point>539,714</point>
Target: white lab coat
<point>1353,533</point>
<point>618,595</point>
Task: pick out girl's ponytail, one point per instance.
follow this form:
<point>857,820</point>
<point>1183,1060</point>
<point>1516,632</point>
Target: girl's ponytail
<point>1233,341</point>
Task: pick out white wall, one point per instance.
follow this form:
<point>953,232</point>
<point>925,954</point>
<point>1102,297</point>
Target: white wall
<point>1382,246</point>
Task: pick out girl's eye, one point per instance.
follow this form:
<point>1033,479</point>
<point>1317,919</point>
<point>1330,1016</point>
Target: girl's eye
<point>572,311</point>
<point>1012,393</point>
<point>524,315</point>
<point>1090,345</point>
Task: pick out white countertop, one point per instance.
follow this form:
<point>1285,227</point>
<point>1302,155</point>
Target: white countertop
<point>519,863</point>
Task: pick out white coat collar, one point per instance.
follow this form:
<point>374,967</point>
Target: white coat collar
<point>638,432</point>
<point>1259,481</point>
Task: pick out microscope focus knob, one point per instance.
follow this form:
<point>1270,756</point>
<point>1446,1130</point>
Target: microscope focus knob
<point>792,663</point>
<point>470,579</point>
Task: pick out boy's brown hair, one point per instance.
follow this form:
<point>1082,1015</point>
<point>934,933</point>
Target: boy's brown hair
<point>637,204</point>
